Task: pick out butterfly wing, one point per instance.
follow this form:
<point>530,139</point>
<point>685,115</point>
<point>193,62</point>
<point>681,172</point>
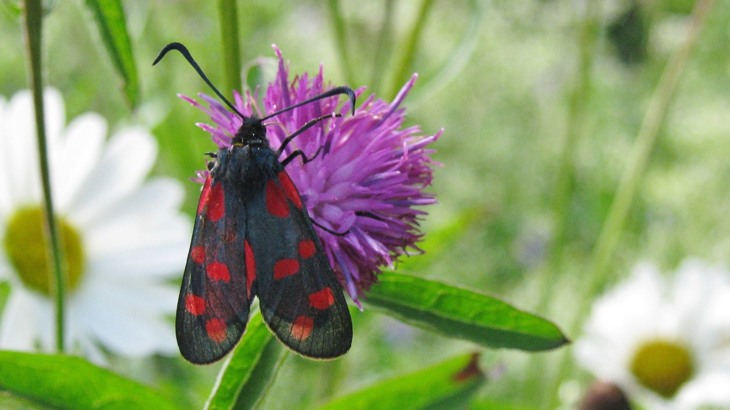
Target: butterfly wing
<point>215,295</point>
<point>299,296</point>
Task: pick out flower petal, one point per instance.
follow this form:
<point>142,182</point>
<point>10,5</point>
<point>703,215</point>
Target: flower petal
<point>127,159</point>
<point>26,316</point>
<point>20,159</point>
<point>76,156</point>
<point>151,237</point>
<point>127,320</point>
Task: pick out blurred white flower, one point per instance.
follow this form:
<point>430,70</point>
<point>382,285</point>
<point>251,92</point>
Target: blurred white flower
<point>664,342</point>
<point>124,238</point>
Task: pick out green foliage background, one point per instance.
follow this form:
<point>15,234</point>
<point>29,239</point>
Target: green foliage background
<point>520,210</point>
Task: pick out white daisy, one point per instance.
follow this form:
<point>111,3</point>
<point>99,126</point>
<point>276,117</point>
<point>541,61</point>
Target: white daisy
<point>124,237</point>
<point>665,342</point>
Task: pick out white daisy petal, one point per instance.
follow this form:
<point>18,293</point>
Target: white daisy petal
<point>145,261</point>
<point>5,175</point>
<point>55,113</point>
<point>147,204</point>
<point>21,156</point>
<point>710,389</point>
<point>164,244</point>
<point>116,316</point>
<point>128,158</point>
<point>17,332</point>
<point>76,157</point>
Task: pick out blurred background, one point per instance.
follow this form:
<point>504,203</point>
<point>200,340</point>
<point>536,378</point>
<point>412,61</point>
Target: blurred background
<point>541,102</point>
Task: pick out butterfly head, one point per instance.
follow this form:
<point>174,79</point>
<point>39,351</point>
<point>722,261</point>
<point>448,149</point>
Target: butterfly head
<point>251,132</point>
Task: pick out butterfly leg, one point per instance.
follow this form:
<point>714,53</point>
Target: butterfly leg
<point>299,153</point>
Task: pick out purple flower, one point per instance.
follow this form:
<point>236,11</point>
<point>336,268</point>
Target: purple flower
<point>367,181</point>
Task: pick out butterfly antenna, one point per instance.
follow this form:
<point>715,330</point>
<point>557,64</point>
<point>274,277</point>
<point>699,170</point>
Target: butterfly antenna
<point>328,93</point>
<point>185,53</point>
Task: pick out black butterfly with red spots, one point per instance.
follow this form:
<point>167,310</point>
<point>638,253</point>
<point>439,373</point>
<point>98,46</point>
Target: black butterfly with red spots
<point>253,237</point>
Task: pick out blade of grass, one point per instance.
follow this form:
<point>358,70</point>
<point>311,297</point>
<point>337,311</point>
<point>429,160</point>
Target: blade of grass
<point>112,26</point>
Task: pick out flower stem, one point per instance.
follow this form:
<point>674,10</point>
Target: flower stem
<point>577,101</point>
<point>228,16</point>
<point>645,142</point>
<point>383,46</point>
<point>33,13</point>
<point>403,66</point>
<point>338,23</point>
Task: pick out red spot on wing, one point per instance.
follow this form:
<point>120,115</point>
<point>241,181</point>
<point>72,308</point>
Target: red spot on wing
<point>285,267</point>
<point>197,254</point>
<point>215,203</point>
<point>275,202</point>
<point>204,195</point>
<point>216,330</point>
<point>302,327</point>
<point>218,271</point>
<point>250,267</point>
<point>290,190</point>
<point>322,299</point>
<point>307,249</point>
<point>195,305</point>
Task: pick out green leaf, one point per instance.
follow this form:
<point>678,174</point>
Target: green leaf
<point>112,26</point>
<point>67,382</point>
<point>247,374</point>
<point>462,313</point>
<point>432,387</point>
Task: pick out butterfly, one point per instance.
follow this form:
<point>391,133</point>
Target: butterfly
<point>253,238</point>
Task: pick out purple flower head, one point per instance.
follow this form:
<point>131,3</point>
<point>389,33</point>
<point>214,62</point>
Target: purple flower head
<point>365,183</point>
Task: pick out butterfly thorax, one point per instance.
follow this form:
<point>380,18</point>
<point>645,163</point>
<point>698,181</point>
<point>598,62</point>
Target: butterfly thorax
<point>246,166</point>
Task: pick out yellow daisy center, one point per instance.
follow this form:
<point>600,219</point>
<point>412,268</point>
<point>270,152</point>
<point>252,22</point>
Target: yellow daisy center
<point>26,246</point>
<point>662,366</point>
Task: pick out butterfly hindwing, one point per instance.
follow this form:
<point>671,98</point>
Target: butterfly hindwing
<point>299,296</point>
<point>215,296</point>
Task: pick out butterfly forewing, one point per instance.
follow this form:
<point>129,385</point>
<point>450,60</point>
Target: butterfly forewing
<point>215,295</point>
<point>299,296</point>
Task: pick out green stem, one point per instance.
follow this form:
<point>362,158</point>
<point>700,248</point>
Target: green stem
<point>338,23</point>
<point>577,102</point>
<point>643,146</point>
<point>383,47</point>
<point>403,66</point>
<point>33,18</point>
<point>228,15</point>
